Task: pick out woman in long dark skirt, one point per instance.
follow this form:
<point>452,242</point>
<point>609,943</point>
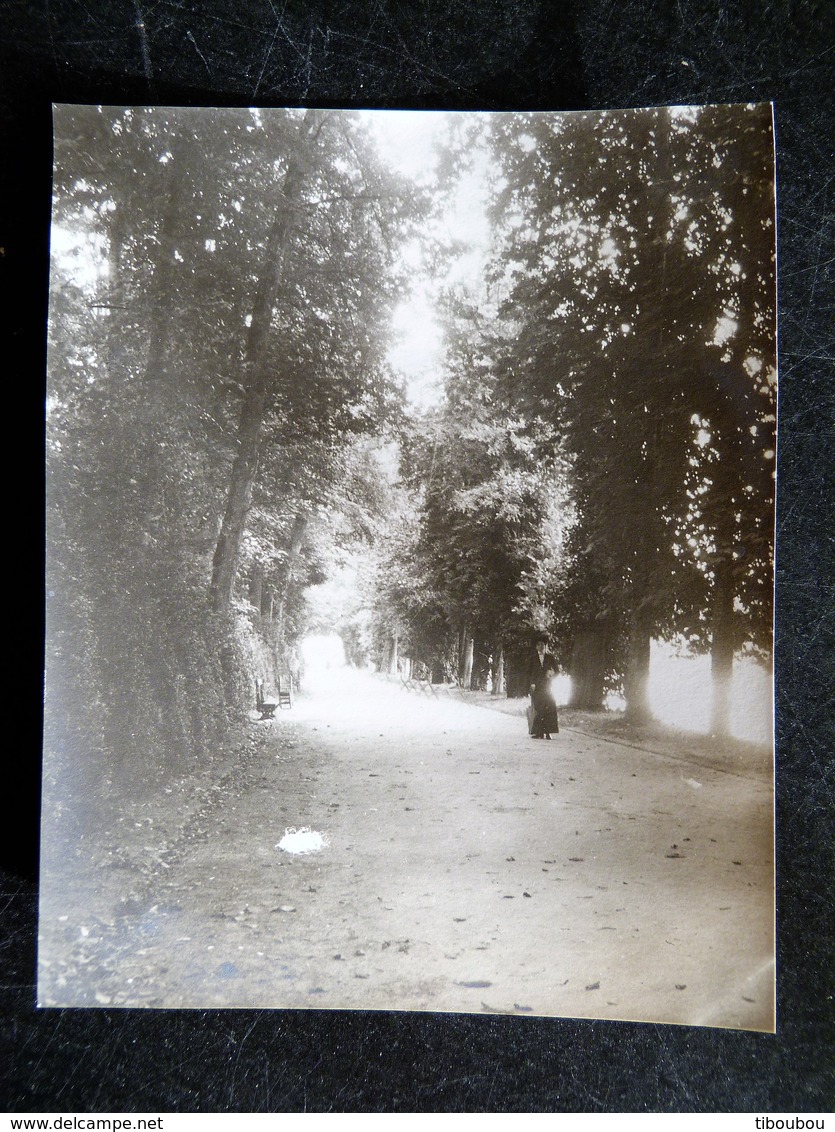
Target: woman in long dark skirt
<point>542,666</point>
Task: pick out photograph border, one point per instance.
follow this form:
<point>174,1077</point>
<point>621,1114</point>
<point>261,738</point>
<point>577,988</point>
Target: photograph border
<point>87,1060</point>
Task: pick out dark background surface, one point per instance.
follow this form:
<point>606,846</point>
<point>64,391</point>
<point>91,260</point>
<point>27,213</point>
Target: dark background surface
<point>437,54</point>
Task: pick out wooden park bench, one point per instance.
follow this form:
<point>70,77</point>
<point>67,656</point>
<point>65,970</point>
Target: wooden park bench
<point>423,686</point>
<point>268,705</point>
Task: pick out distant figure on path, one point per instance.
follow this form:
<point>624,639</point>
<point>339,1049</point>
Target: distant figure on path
<point>541,667</point>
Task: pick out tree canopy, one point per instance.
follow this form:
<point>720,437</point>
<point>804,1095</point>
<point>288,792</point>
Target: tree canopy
<point>227,429</point>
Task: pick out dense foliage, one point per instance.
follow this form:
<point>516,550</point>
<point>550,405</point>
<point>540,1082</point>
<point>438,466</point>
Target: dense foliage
<point>220,303</point>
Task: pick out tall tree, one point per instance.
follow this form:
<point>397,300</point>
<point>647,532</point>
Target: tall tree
<point>168,334</point>
<point>616,304</point>
<point>314,360</point>
<point>489,516</point>
<point>255,370</point>
<point>731,223</point>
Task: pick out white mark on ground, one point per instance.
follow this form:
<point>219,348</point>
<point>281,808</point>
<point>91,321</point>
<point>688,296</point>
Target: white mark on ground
<point>304,840</point>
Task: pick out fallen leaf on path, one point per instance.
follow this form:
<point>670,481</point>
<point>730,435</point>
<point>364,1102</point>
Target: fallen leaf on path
<point>516,1006</point>
<point>593,986</point>
<point>526,894</point>
<point>681,986</point>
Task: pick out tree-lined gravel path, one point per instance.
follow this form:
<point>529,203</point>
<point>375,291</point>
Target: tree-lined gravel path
<point>465,867</point>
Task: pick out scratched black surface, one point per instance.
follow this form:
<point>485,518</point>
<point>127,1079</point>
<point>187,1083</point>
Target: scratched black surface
<point>427,53</point>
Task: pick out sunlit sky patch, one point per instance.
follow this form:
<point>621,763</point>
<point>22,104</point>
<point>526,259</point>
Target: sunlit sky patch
<point>417,349</point>
<point>409,142</point>
<point>408,139</point>
<point>80,253</point>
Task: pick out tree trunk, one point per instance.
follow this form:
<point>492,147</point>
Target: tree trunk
<point>466,671</point>
<point>392,660</point>
<point>515,674</point>
<point>244,470</point>
<point>258,374</point>
<point>293,551</point>
<point>498,672</point>
<point>722,652</point>
<point>722,617</point>
<point>256,584</point>
<point>588,668</point>
<point>480,669</point>
<point>636,684</point>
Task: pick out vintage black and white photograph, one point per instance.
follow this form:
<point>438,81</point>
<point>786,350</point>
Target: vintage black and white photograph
<point>410,543</point>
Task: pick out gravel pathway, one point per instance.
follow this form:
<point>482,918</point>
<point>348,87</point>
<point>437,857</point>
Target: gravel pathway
<point>463,867</point>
